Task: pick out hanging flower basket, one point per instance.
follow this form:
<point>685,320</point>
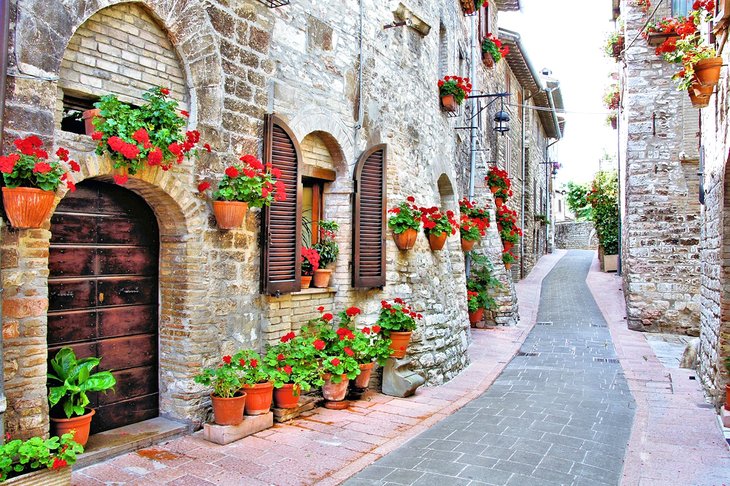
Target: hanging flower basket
<point>406,239</point>
<point>27,207</point>
<point>229,214</point>
<point>448,102</point>
<point>453,90</point>
<point>700,95</point>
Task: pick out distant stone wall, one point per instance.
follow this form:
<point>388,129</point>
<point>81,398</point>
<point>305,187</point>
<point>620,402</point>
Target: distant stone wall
<point>575,235</point>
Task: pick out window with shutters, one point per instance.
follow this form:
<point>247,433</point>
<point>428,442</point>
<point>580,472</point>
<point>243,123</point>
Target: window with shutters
<point>369,219</point>
<point>443,52</point>
<point>680,8</point>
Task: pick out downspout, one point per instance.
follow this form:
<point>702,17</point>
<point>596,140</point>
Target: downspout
<point>361,60</point>
<point>524,184</point>
<point>472,129</point>
<point>559,135</point>
<point>4,32</point>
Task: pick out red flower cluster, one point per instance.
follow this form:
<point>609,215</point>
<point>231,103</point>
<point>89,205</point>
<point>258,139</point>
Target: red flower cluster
<point>59,463</point>
<point>401,307</point>
<point>479,216</point>
<point>319,345</point>
<point>32,146</point>
<point>352,311</point>
<point>46,174</point>
<point>288,337</point>
<point>310,261</point>
<point>498,179</point>
<point>436,222</point>
<point>344,333</point>
<point>457,86</point>
<point>227,359</point>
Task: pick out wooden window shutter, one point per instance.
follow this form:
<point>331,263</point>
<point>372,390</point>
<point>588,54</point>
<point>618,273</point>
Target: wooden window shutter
<point>368,240</point>
<point>281,232</point>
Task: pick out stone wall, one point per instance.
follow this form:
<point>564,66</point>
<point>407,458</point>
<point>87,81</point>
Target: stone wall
<point>575,235</point>
<point>661,230</point>
<point>235,64</point>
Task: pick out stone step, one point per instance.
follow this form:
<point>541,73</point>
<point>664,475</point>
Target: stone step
<point>111,443</point>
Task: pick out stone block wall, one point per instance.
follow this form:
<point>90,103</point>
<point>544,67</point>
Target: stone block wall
<point>661,229</point>
<point>575,235</point>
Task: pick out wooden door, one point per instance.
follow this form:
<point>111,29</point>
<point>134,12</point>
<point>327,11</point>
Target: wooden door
<point>103,298</point>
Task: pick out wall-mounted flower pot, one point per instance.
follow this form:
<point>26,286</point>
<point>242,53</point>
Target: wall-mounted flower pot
<point>700,95</point>
<point>88,117</point>
<point>658,38</point>
<point>405,240</point>
<point>487,59</point>
<point>228,411</point>
<point>467,245</point>
<point>259,398</point>
<point>27,207</point>
<point>80,425</point>
<point>322,277</point>
<point>399,343</point>
<point>498,201</point>
<point>507,266</point>
<point>476,316</point>
<point>306,281</point>
<point>449,103</point>
<point>707,71</point>
<point>436,242</point>
<point>229,214</point>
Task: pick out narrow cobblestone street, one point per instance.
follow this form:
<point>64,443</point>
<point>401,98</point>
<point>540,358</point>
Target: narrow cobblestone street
<point>560,413</point>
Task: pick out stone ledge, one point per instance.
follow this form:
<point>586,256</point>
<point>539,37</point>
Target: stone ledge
<point>315,291</point>
<point>225,434</point>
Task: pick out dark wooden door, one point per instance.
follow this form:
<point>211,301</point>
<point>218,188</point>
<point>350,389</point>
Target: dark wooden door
<point>103,298</point>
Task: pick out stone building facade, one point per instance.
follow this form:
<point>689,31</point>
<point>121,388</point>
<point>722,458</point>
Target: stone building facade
<point>576,235</point>
<point>659,160</point>
<point>341,78</point>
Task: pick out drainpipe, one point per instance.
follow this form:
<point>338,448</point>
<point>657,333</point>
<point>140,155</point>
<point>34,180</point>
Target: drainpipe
<point>559,134</point>
<point>4,30</point>
<point>524,183</point>
<point>472,130</point>
<point>358,122</point>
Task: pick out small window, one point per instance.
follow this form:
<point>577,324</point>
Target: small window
<point>312,197</point>
<point>484,27</point>
<point>73,108</point>
<point>443,52</point>
<point>680,8</point>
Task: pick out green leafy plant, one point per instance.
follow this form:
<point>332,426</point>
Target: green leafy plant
<point>498,178</point>
<point>508,257</point>
<point>405,216</point>
<point>436,223</point>
<point>469,229</point>
<point>493,47</point>
<point>19,456</point>
<point>455,85</point>
<point>396,317</point>
<point>293,360</point>
<point>31,167</point>
<point>478,214</point>
<point>250,182</point>
<point>367,343</point>
<point>253,369</point>
<point>503,194</point>
<point>482,281</point>
<point>327,247</point>
<point>577,202</point>
<point>509,235</point>
<point>151,133</point>
<point>473,302</point>
<point>614,44</point>
<point>333,346</point>
<point>226,378</point>
<point>603,197</point>
<point>72,379</point>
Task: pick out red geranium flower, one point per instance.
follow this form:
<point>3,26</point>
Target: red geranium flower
<point>318,345</point>
<point>232,172</point>
<point>42,168</point>
<point>327,317</point>
<point>203,186</point>
<point>62,154</point>
<point>97,136</point>
<point>165,91</point>
<point>335,361</point>
<point>287,337</point>
<point>74,166</point>
<point>120,179</point>
<point>287,369</point>
<point>227,359</point>
<point>280,357</point>
<point>254,363</point>
<point>376,329</point>
<point>353,311</point>
<point>349,351</point>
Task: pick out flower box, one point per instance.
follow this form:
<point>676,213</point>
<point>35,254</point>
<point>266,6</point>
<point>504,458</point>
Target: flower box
<point>43,477</point>
<point>655,39</point>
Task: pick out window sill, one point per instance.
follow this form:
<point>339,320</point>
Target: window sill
<point>315,291</point>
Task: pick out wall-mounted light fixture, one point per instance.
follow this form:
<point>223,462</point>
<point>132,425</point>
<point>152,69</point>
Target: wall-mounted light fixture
<point>274,3</point>
<point>501,118</point>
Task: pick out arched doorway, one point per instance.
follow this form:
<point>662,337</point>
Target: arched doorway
<point>103,295</point>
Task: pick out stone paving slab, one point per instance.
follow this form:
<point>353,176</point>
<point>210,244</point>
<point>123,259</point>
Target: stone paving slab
<point>560,412</point>
<point>676,438</point>
<point>329,446</point>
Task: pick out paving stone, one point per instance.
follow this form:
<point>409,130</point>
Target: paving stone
<point>403,476</point>
<point>440,480</point>
<point>478,460</point>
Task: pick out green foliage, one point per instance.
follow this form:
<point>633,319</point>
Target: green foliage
<point>251,182</point>
<point>603,197</point>
<point>31,167</point>
<point>577,202</point>
<point>405,216</point>
<point>293,360</point>
<point>396,317</point>
<point>252,368</point>
<point>482,282</point>
<point>18,457</point>
<point>327,247</point>
<point>72,379</point>
<point>508,257</point>
<point>508,235</point>
<point>367,343</point>
<point>226,378</point>
<point>333,347</point>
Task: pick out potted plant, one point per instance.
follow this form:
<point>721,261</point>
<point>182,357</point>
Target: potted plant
<point>293,368</point>
<point>68,384</point>
<point>492,50</point>
<point>150,135</point>
<point>664,32</point>
<point>244,185</point>
<point>310,264</point>
<point>328,250</point>
<point>501,196</point>
<point>614,45</point>
<point>612,97</point>
<point>31,180</point>
<point>437,226</point>
<point>478,214</point>
<point>603,198</point>
<point>227,397</point>
<point>397,322</point>
<point>507,220</point>
<point>367,344</point>
<point>508,258</point>
<point>453,90</point>
<point>470,232</point>
<point>38,461</point>
<point>337,365</point>
<point>497,179</point>
<point>405,223</point>
<point>256,381</point>
<point>479,286</point>
<point>509,237</point>
<point>612,120</point>
<point>470,7</point>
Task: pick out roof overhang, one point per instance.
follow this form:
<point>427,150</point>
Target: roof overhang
<point>547,96</point>
<point>508,4</point>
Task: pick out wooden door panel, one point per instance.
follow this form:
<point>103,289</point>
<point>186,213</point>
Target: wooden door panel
<point>82,350</point>
<point>127,291</point>
<point>131,383</point>
<point>83,200</point>
<point>73,228</point>
<point>71,326</point>
<point>125,412</point>
<point>120,321</point>
<point>117,200</point>
<point>127,261</point>
<point>123,231</point>
<point>127,352</point>
<point>71,294</point>
<point>72,262</point>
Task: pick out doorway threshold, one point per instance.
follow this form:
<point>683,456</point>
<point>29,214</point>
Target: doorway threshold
<point>111,443</point>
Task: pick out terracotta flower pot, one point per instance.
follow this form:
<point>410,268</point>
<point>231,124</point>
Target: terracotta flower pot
<point>494,189</point>
<point>498,201</point>
<point>306,281</point>
<point>80,425</point>
<point>727,396</point>
<point>405,240</point>
<point>363,379</point>
<point>399,343</point>
<point>467,245</point>
<point>88,117</point>
<point>322,277</point>
<point>614,123</point>
<point>487,59</point>
<point>507,266</point>
<point>707,71</point>
<point>228,411</point>
<point>700,95</point>
<point>258,398</point>
<point>334,391</point>
<point>476,316</point>
<point>287,396</point>
<point>508,245</point>
<point>449,103</point>
<point>436,242</point>
<point>27,207</point>
<point>229,214</point>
